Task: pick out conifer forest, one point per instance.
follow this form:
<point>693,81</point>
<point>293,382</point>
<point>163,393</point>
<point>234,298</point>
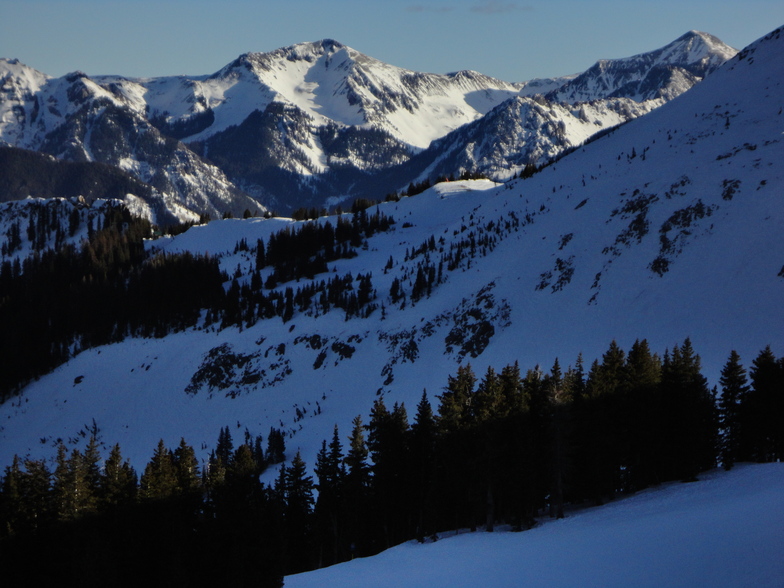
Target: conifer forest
<point>503,447</point>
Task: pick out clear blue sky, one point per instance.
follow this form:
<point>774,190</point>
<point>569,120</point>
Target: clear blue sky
<point>511,40</point>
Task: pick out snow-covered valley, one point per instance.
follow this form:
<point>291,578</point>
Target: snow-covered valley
<point>725,530</point>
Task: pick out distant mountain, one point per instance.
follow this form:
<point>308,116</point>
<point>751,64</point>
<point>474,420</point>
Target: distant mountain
<point>667,228</point>
<point>658,75</point>
<point>25,173</point>
<point>317,124</point>
<point>76,119</point>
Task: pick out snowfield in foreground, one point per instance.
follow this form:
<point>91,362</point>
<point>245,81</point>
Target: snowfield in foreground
<point>725,530</point>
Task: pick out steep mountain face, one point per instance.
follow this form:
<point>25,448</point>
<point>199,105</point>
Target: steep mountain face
<point>667,228</point>
<point>535,129</point>
<point>659,75</point>
<point>77,119</point>
<point>318,124</point>
<point>409,111</point>
<point>523,131</point>
<point>26,173</point>
<point>330,83</point>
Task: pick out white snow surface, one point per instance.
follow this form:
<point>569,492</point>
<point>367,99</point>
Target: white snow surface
<point>706,174</point>
<point>727,530</point>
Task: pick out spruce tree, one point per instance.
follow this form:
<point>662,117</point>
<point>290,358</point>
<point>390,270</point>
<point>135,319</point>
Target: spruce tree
<point>119,481</point>
<point>37,510</point>
<point>298,492</point>
<point>159,480</point>
<point>357,489</point>
<point>455,403</point>
<point>640,417</point>
<point>186,469</point>
<point>329,509</point>
<point>688,406</point>
<point>734,391</point>
<point>11,499</point>
<point>764,409</point>
<point>423,465</point>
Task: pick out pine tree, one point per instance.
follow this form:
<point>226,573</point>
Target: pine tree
<point>61,484</point>
<point>276,446</point>
<point>36,506</point>
<point>764,409</point>
<point>186,469</point>
<point>298,512</point>
<point>119,481</point>
<point>423,465</point>
<point>640,417</point>
<point>357,488</point>
<point>225,448</point>
<point>734,390</point>
<point>689,410</point>
<point>455,403</point>
<point>159,480</point>
<point>329,510</point>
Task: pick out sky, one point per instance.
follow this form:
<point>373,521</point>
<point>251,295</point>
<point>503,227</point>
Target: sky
<point>510,40</point>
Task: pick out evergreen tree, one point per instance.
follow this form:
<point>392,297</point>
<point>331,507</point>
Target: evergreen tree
<point>298,491</point>
<point>603,437</point>
<point>455,403</point>
<point>689,408</point>
<point>329,509</point>
<point>640,418</point>
<point>119,481</point>
<point>388,446</point>
<point>61,484</point>
<point>764,409</point>
<point>186,469</point>
<point>560,432</point>
<point>35,499</point>
<point>423,466</point>
<point>357,488</point>
<point>159,480</point>
<point>11,500</point>
<point>276,446</point>
<point>734,390</point>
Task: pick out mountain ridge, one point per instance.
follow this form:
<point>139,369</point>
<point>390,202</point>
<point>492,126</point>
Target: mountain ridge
<point>667,228</point>
<point>340,108</point>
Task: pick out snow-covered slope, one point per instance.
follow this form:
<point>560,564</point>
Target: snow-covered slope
<point>669,227</point>
<point>725,530</point>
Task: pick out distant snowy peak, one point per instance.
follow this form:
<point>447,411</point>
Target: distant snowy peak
<point>313,122</point>
<point>523,131</point>
<point>662,74</point>
<point>334,83</point>
<point>695,49</point>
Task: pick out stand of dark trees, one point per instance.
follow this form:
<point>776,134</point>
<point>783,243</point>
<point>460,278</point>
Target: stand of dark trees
<point>506,448</point>
<point>59,302</point>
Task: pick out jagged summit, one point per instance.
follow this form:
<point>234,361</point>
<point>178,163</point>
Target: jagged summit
<point>318,122</point>
<point>661,75</point>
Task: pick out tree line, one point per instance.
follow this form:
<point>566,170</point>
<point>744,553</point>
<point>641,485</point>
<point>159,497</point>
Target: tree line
<point>504,448</point>
<point>58,302</point>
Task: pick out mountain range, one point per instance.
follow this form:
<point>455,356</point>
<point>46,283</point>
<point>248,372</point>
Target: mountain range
<point>320,124</point>
<point>665,228</point>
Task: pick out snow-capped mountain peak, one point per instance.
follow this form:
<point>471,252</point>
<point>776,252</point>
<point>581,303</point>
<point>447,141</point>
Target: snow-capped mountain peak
<point>320,123</point>
<point>656,75</point>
